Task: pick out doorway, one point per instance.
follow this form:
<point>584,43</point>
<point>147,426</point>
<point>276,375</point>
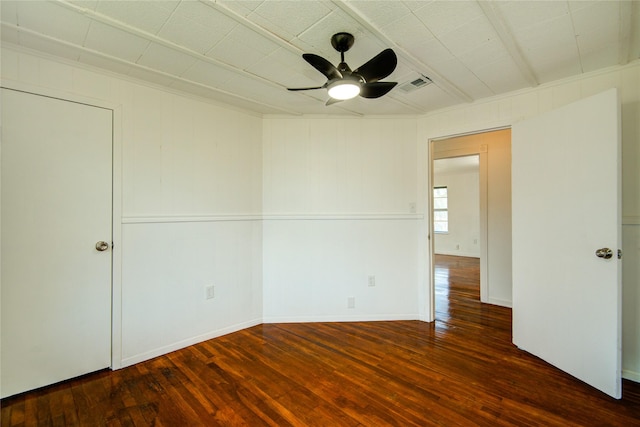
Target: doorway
<point>56,239</point>
<point>456,203</point>
<point>493,150</point>
<point>456,197</point>
<point>457,287</point>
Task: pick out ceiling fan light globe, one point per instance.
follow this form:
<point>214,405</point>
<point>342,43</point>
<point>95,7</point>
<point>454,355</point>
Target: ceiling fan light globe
<point>343,90</point>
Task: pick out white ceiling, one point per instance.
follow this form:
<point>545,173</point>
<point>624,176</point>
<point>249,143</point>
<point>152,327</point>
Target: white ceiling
<point>247,53</point>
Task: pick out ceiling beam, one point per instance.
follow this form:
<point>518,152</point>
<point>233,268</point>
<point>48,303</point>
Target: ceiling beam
<point>508,41</point>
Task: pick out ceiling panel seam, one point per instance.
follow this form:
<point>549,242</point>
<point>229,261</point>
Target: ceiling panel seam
<point>575,39</point>
<point>500,27</point>
<point>141,67</point>
<point>436,77</point>
<point>173,13</point>
<point>242,20</point>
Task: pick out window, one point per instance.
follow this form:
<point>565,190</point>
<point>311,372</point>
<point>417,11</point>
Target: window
<point>440,210</point>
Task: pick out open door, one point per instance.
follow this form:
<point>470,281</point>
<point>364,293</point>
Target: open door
<point>566,235</point>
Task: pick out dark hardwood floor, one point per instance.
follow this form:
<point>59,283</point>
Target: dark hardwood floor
<point>461,370</point>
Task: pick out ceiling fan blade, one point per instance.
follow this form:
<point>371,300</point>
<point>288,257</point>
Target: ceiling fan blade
<point>378,67</point>
<point>332,101</point>
<point>322,65</point>
<point>305,88</point>
<point>376,89</point>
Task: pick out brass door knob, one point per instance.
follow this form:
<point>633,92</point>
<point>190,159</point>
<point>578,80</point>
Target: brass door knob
<point>605,253</point>
<point>102,246</point>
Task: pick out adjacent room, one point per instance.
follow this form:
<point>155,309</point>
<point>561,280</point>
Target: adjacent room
<point>345,212</point>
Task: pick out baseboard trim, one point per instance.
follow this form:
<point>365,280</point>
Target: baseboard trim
<point>340,318</point>
<point>500,302</point>
<point>631,220</point>
<point>425,318</point>
<point>631,375</point>
<point>186,343</point>
<point>458,253</point>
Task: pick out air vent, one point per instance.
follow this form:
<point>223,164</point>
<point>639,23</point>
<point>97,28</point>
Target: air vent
<point>415,84</point>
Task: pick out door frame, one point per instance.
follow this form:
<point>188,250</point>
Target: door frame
<point>116,199</point>
<point>428,180</point>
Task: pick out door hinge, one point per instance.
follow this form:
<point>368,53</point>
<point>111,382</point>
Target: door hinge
<point>619,253</point>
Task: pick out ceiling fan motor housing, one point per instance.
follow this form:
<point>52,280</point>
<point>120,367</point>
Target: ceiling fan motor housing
<point>342,42</point>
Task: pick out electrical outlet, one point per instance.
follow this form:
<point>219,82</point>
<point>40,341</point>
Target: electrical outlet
<point>372,280</point>
<point>351,302</point>
<point>209,292</point>
<point>457,247</point>
<point>412,207</point>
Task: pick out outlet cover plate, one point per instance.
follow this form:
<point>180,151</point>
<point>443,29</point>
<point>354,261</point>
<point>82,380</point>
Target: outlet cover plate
<point>209,292</point>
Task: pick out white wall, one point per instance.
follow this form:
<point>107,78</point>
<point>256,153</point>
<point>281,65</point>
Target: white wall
<point>313,266</point>
<point>463,191</point>
<point>499,290</point>
<point>165,269</point>
<point>505,110</point>
<point>191,200</point>
<point>338,196</point>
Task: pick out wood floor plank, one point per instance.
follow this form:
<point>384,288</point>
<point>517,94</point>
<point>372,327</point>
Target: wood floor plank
<point>461,370</point>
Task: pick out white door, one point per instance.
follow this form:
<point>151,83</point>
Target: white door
<point>56,204</point>
<point>566,205</point>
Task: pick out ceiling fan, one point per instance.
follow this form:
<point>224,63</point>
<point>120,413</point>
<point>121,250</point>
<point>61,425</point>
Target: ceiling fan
<point>342,83</point>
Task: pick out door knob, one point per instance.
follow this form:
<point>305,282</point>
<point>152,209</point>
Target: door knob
<point>102,246</point>
<point>605,253</point>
